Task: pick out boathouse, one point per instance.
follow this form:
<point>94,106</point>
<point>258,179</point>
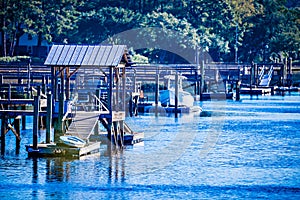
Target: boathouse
<point>103,99</point>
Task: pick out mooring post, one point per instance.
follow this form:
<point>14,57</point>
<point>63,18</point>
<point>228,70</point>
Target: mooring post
<point>23,119</point>
<point>176,95</point>
<point>121,124</point>
<point>290,70</point>
<point>156,93</point>
<point>17,128</point>
<point>109,102</point>
<point>251,78</point>
<point>202,70</point>
<point>237,90</point>
<point>9,92</point>
<point>49,117</point>
<point>3,130</point>
<point>36,107</point>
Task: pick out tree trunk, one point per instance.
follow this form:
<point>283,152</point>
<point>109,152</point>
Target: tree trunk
<point>4,25</point>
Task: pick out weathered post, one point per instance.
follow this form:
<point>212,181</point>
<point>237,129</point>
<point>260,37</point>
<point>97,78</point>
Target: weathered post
<point>36,107</point>
<point>9,92</point>
<point>17,128</point>
<point>290,72</point>
<point>237,90</point>
<point>49,117</point>
<point>202,79</point>
<point>23,119</point>
<point>176,95</point>
<point>109,102</point>
<point>251,77</point>
<point>3,132</point>
<point>156,93</point>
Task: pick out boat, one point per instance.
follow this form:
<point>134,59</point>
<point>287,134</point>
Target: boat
<point>167,96</point>
<point>72,141</point>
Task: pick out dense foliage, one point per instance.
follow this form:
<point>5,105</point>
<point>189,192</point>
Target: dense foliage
<point>226,30</point>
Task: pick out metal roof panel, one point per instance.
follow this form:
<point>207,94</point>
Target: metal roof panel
<point>51,54</point>
<point>57,54</point>
<point>81,55</point>
<point>76,55</point>
<point>87,56</point>
<point>63,54</point>
<point>93,55</point>
<point>69,55</point>
<point>99,56</point>
<point>119,55</point>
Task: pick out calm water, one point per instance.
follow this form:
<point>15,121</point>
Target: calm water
<point>247,149</point>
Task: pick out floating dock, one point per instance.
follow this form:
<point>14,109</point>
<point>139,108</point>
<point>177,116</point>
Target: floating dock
<point>256,91</point>
<point>60,150</point>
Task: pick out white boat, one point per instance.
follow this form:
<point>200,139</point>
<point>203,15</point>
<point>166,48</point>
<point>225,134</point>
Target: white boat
<point>72,141</point>
<point>167,97</point>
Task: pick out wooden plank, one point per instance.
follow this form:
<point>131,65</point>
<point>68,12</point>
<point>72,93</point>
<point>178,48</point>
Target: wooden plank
<point>91,148</point>
<point>83,124</point>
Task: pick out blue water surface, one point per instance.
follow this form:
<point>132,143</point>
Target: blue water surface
<point>248,149</point>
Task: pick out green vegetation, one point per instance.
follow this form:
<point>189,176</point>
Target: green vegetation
<point>227,30</point>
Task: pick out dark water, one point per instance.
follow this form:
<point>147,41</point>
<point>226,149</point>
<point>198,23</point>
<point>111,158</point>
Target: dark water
<point>245,150</point>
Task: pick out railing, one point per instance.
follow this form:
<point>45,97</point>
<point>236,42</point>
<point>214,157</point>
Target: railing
<point>102,108</point>
<point>270,74</point>
<point>262,73</point>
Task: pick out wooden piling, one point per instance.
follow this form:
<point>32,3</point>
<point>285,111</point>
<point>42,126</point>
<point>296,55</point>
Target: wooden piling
<point>237,90</point>
<point>156,93</point>
<point>176,95</point>
<point>3,132</point>
<point>35,121</point>
<point>49,117</point>
<point>18,132</point>
<point>23,119</point>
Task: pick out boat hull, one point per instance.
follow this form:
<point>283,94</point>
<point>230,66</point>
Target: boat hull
<point>72,141</point>
<point>167,98</point>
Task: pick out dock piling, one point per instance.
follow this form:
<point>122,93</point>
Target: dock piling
<point>3,132</point>
<point>49,117</point>
<point>17,129</point>
<point>176,95</point>
<point>35,121</point>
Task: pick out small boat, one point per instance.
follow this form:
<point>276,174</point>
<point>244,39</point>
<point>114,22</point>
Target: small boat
<point>167,97</point>
<point>72,141</point>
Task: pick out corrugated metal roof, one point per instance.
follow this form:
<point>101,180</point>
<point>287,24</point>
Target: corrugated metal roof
<point>85,55</point>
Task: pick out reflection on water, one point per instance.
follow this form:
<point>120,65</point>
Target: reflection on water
<point>247,149</point>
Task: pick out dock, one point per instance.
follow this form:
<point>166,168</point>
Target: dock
<point>257,91</point>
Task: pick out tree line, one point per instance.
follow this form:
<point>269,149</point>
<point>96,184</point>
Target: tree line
<point>226,30</point>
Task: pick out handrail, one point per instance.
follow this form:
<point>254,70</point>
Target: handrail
<point>106,110</point>
<point>35,90</point>
<point>262,73</point>
<point>67,113</point>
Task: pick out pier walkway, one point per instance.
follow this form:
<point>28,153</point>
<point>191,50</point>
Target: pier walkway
<point>83,124</point>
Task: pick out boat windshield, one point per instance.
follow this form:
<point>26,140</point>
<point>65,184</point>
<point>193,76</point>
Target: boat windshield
<point>172,84</point>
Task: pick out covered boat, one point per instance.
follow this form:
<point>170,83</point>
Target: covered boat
<point>167,97</point>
